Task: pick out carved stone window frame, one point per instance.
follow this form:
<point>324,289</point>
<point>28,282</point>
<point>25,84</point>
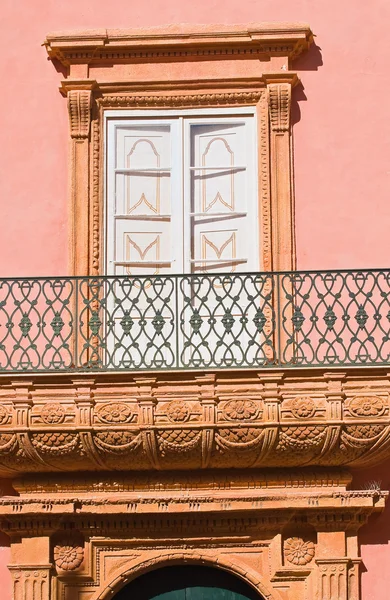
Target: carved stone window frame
<point>180,67</point>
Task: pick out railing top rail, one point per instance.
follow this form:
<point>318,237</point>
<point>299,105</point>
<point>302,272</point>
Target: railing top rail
<point>194,275</point>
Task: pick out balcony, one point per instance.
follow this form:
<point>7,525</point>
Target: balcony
<point>195,322</point>
<point>194,371</point>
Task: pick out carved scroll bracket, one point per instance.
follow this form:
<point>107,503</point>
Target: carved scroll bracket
<point>79,94</point>
<point>147,402</point>
<point>279,87</point>
<point>22,401</point>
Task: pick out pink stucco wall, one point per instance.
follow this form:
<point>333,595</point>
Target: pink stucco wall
<point>342,145</point>
<point>342,133</point>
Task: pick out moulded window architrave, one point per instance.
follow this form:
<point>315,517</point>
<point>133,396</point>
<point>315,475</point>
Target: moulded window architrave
<point>180,69</point>
<point>181,190</point>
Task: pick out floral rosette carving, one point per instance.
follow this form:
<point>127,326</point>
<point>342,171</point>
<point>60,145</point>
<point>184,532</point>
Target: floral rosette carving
<point>303,407</point>
<point>298,551</point>
<point>4,415</point>
<point>53,413</point>
<point>240,410</point>
<point>366,406</point>
<point>114,413</point>
<point>68,555</point>
<point>178,411</point>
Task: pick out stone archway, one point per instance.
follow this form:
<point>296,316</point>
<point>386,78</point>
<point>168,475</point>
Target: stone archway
<point>242,573</point>
<point>188,581</point>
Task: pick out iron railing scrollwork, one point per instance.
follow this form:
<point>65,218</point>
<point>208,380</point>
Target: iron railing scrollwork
<point>221,321</point>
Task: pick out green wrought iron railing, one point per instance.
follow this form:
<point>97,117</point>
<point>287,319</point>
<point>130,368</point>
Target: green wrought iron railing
<point>249,320</point>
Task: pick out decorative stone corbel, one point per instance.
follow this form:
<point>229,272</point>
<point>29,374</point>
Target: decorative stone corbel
<point>79,108</point>
<point>279,106</point>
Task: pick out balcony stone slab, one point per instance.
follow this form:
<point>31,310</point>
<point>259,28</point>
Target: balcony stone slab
<point>192,421</point>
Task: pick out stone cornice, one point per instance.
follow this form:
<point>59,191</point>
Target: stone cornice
<point>174,42</point>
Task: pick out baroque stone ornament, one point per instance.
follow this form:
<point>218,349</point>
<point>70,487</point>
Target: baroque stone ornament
<point>79,108</point>
<point>53,413</point>
<point>366,406</point>
<point>4,414</point>
<point>68,555</point>
<point>240,410</point>
<point>279,106</point>
<point>303,407</point>
<point>215,422</point>
<point>178,411</point>
<point>298,551</point>
<point>117,412</point>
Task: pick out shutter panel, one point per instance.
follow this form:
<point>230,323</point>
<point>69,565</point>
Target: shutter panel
<point>139,243</point>
<point>141,230</point>
<point>223,199</point>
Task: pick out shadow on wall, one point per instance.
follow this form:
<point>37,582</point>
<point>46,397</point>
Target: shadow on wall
<point>377,529</point>
<point>310,61</point>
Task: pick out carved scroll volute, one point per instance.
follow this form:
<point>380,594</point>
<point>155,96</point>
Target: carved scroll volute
<point>79,108</point>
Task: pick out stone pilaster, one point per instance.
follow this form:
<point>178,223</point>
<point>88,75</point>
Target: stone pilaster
<point>279,89</point>
<point>333,579</point>
<point>79,95</point>
<point>31,582</point>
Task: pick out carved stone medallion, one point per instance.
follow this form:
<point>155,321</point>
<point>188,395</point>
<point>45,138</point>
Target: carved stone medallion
<point>366,406</point>
<point>118,412</point>
<point>298,551</point>
<point>53,413</point>
<point>68,555</point>
<point>240,410</point>
<point>4,415</point>
<point>303,408</point>
<point>178,411</point>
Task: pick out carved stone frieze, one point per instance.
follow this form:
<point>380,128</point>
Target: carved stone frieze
<point>186,421</point>
<point>267,526</point>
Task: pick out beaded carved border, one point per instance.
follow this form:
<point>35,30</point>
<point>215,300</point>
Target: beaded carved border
<point>126,101</point>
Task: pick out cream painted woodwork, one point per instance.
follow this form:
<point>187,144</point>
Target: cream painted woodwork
<point>181,195</point>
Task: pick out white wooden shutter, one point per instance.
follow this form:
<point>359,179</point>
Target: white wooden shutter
<point>139,216</point>
<point>223,199</point>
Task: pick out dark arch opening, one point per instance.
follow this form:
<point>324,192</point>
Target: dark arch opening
<point>187,583</point>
